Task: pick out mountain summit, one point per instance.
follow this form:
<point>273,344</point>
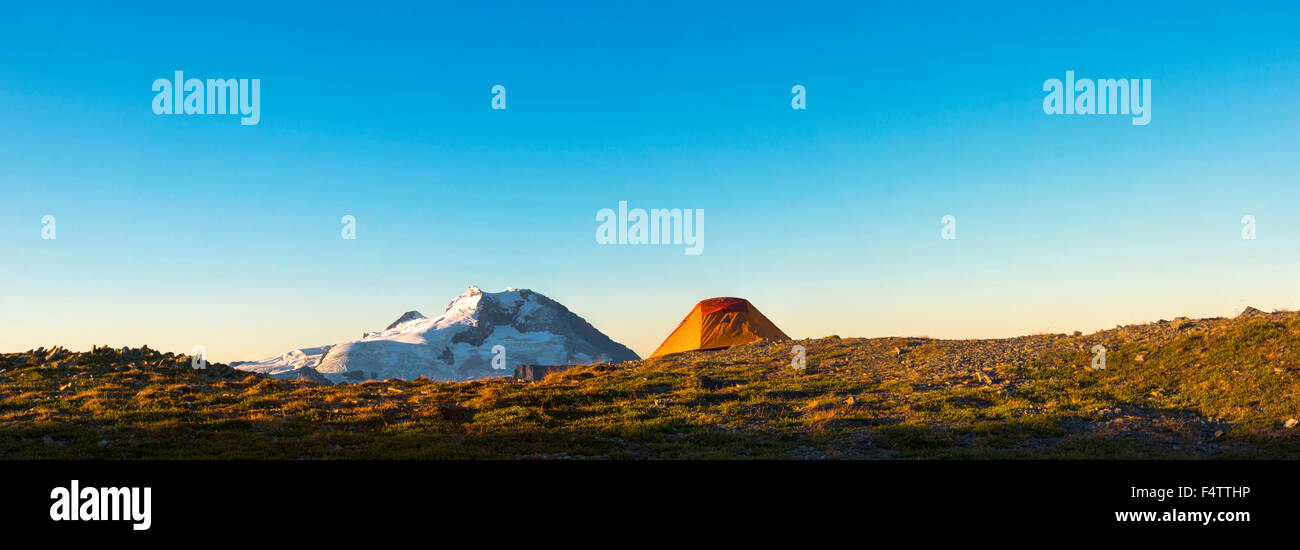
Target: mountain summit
<point>458,345</point>
<point>408,316</point>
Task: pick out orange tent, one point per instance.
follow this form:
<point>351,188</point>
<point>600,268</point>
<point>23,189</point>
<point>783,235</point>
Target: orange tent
<point>719,323</point>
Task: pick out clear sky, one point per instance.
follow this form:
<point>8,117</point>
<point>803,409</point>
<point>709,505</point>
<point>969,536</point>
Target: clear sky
<point>180,230</point>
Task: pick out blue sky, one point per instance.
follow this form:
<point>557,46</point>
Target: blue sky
<point>174,231</point>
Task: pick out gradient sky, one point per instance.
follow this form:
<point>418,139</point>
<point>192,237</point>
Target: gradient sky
<point>182,230</point>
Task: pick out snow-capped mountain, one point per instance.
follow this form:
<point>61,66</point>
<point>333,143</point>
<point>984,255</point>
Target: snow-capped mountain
<point>458,345</point>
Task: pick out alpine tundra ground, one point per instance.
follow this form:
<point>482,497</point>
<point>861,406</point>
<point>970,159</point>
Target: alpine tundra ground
<point>1204,388</point>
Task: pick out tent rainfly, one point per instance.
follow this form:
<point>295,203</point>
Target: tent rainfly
<point>719,323</point>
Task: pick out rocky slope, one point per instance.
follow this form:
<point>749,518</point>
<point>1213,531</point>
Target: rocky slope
<point>1187,388</point>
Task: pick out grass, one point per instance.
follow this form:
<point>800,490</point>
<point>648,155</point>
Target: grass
<point>1217,389</point>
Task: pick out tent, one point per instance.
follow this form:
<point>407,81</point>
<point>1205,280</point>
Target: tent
<point>719,323</point>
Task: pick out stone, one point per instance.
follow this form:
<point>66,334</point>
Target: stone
<point>1250,312</point>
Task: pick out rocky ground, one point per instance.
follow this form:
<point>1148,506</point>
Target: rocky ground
<point>1187,388</point>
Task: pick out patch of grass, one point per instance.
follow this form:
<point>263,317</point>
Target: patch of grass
<point>1204,389</point>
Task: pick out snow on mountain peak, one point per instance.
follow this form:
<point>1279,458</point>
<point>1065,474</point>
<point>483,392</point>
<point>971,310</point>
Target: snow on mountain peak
<point>406,317</point>
<point>524,326</point>
<point>466,301</point>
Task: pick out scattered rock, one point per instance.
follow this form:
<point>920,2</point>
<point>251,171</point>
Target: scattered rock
<point>535,373</point>
<point>53,353</point>
<point>308,374</point>
<point>1290,423</point>
<point>708,383</point>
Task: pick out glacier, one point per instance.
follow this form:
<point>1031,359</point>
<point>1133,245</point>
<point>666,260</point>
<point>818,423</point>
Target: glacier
<point>457,346</point>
